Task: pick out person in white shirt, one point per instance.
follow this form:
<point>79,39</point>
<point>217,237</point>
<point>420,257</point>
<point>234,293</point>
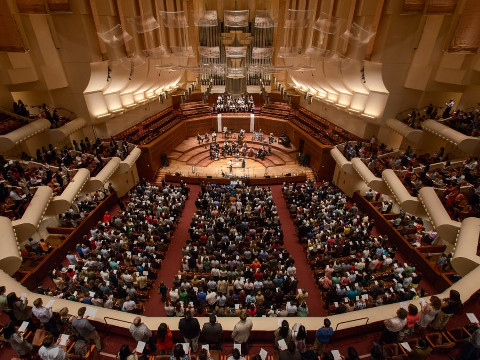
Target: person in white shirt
<point>393,326</point>
<point>140,332</point>
<point>45,316</point>
<point>129,305</point>
<point>50,351</point>
<point>291,309</point>
<point>174,295</point>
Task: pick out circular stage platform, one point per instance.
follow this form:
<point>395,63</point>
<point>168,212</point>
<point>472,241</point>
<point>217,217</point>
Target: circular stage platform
<point>191,159</point>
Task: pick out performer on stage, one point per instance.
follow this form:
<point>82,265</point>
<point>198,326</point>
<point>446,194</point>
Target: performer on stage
<point>214,137</point>
<point>199,138</point>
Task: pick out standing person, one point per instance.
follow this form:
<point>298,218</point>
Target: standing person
<point>300,337</point>
<point>20,309</point>
<point>45,315</point>
<point>164,339</point>
<point>16,341</point>
<point>450,306</point>
<point>141,332</point>
<point>162,289</point>
<point>241,332</point>
<point>393,326</point>
<point>283,332</point>
<point>322,337</point>
<point>50,351</point>
<point>212,332</point>
<point>190,329</point>
<point>4,303</point>
<point>85,329</point>
<point>428,311</point>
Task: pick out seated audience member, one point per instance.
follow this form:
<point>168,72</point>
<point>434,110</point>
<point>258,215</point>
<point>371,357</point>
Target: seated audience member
<point>236,355</point>
<point>179,353</point>
<point>49,350</point>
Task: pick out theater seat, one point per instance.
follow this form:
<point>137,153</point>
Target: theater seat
<point>440,342</point>
<point>459,335</point>
<point>390,350</point>
<point>91,353</point>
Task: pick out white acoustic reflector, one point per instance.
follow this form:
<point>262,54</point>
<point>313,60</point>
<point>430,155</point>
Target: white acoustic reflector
<point>173,19</point>
<point>328,24</point>
<point>357,35</point>
<point>116,36</point>
<point>144,23</point>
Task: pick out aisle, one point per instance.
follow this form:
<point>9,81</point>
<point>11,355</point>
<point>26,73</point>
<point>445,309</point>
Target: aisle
<point>304,273</point>
<point>173,258</point>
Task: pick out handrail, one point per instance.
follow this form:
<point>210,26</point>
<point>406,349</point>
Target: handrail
<point>348,321</point>
<point>111,318</point>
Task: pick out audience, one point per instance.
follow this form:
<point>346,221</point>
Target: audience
<point>234,259</point>
<point>116,264</point>
<point>353,268</point>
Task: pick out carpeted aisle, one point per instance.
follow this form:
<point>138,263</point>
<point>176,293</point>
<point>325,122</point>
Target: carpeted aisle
<point>304,273</point>
<point>170,266</point>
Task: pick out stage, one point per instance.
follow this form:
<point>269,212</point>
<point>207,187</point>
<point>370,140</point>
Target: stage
<point>191,159</point>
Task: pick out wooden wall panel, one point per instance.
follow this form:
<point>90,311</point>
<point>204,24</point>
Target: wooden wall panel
<point>270,125</point>
<point>11,39</point>
<point>236,123</point>
<point>200,126</point>
<point>320,159</point>
<point>150,159</point>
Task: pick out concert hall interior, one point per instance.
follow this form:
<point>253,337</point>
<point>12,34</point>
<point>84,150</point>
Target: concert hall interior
<point>283,161</point>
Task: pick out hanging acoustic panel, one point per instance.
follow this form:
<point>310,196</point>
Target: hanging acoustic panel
<point>328,24</point>
<point>173,19</point>
<point>357,35</point>
<point>116,36</point>
<point>144,23</point>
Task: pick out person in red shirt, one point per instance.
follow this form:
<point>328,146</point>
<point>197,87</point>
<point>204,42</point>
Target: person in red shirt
<point>256,264</point>
<point>164,339</point>
<point>106,217</point>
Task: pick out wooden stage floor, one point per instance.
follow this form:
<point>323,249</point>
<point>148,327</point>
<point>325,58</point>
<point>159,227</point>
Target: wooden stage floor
<point>193,159</point>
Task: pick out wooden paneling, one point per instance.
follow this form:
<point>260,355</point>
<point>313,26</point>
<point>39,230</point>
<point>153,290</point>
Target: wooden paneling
<point>320,159</point>
<point>236,122</point>
<point>150,159</point>
<point>200,125</point>
<point>10,39</point>
<point>270,125</point>
<point>223,181</point>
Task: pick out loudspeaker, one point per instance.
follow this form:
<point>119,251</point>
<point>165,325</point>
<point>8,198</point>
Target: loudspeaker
<point>288,174</point>
<point>267,176</point>
<point>209,176</point>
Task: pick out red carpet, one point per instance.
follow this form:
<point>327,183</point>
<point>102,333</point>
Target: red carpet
<point>171,265</point>
<point>304,274</point>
